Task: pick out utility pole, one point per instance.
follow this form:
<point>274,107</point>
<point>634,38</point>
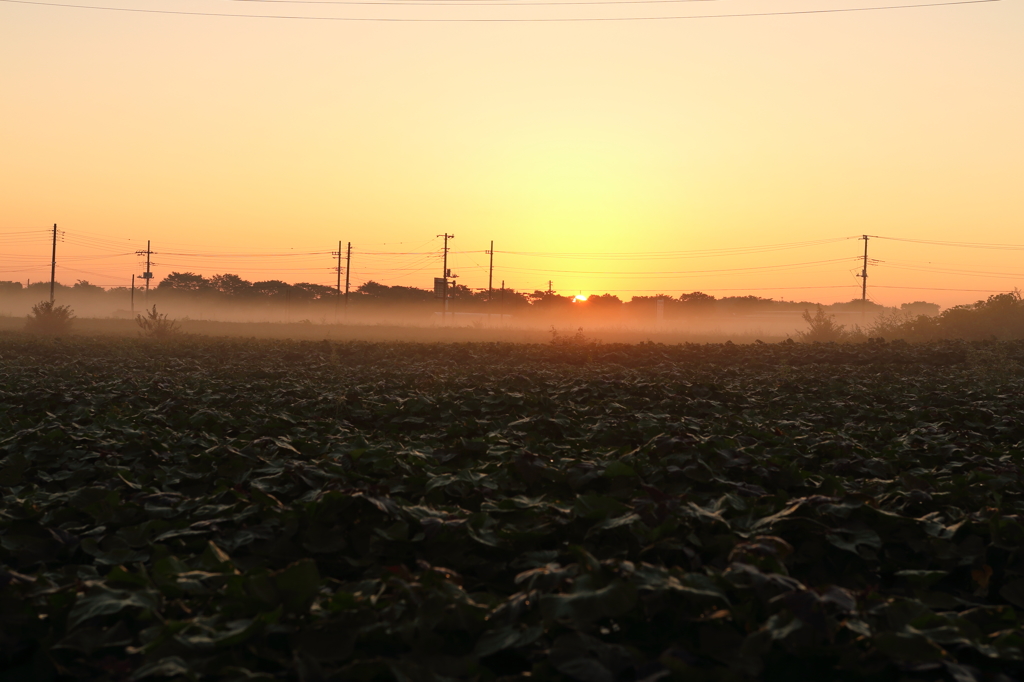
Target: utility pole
<point>490,273</point>
<point>148,274</point>
<point>53,262</point>
<point>490,281</point>
<point>337,289</point>
<point>338,254</point>
<point>446,273</point>
<point>133,294</point>
<point>348,270</point>
<point>864,277</point>
<point>549,287</point>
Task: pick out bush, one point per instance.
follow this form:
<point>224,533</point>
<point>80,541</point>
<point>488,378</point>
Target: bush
<point>157,325</point>
<point>50,319</point>
<point>577,339</point>
<point>822,328</point>
<point>1001,316</point>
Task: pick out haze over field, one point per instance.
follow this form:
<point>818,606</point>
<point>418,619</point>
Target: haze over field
<point>733,156</point>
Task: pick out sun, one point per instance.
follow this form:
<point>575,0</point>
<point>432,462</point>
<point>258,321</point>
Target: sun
<point>580,298</point>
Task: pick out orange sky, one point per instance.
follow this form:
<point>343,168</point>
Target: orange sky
<point>220,135</point>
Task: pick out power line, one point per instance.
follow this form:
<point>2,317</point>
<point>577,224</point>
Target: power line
<point>470,3</point>
<point>949,271</point>
<point>693,253</point>
<point>474,3</point>
<point>964,245</point>
<point>642,273</point>
<point>499,20</point>
<point>985,291</point>
<point>220,256</point>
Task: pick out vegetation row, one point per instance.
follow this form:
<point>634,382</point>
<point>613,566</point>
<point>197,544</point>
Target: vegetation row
<point>242,510</point>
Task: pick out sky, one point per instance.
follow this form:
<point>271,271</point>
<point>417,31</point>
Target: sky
<point>731,155</point>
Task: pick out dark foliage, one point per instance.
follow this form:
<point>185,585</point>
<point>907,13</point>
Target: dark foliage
<point>157,325</point>
<point>50,319</point>
<point>245,510</point>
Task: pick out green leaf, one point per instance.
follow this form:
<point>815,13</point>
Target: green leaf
<point>298,584</point>
<point>596,507</point>
<point>171,666</point>
<point>584,607</point>
<point>101,601</point>
<point>506,637</point>
<point>618,468</point>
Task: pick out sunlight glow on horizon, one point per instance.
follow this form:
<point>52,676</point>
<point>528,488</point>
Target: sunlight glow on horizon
<point>221,137</point>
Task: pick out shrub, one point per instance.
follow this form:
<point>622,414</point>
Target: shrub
<point>891,324</point>
<point>157,325</point>
<point>577,339</point>
<point>822,328</point>
<point>1001,316</point>
<point>50,319</point>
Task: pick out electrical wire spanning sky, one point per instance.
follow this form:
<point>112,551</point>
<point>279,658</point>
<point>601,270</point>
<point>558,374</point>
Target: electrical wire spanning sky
<point>625,146</point>
<point>633,273</point>
<point>463,4</point>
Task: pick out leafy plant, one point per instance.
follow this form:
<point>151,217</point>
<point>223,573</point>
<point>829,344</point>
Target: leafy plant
<point>157,325</point>
<point>822,328</point>
<point>1000,316</point>
<point>50,319</point>
<point>577,339</point>
<point>235,509</point>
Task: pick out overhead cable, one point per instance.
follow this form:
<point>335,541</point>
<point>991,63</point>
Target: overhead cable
<point>832,10</point>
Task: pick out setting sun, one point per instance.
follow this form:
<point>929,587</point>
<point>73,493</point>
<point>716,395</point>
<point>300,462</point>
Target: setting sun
<point>580,298</point>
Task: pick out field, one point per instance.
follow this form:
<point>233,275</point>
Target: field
<point>738,330</point>
<point>229,509</point>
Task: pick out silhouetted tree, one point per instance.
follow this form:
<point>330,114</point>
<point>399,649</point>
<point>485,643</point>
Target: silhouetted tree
<point>647,306</point>
<point>42,288</point>
<point>462,293</point>
<point>744,305</point>
<point>231,285</point>
<point>509,299</point>
<point>857,305</point>
<point>697,299</point>
<point>314,291</point>
<point>602,302</point>
<point>920,308</point>
<point>83,287</point>
<point>184,281</point>
<point>549,300</point>
<point>397,294</point>
<point>272,288</point>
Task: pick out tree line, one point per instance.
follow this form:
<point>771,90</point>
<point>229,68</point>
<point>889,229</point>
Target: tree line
<point>183,285</point>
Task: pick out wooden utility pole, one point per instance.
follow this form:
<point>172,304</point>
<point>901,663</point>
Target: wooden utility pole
<point>490,273</point>
<point>53,262</point>
<point>148,274</point>
<point>338,288</point>
<point>133,294</point>
<point>348,270</point>
<point>864,276</point>
<point>446,273</point>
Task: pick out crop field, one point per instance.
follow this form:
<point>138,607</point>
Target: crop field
<point>204,509</point>
<point>516,331</point>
